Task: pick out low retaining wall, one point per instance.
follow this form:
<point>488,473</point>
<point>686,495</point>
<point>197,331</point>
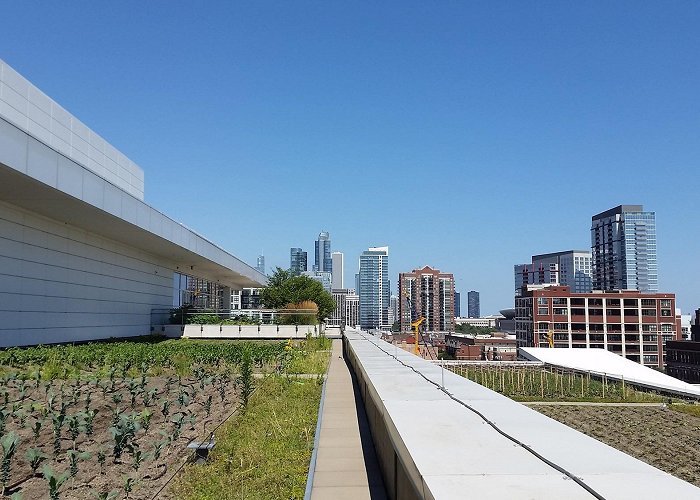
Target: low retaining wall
<point>239,331</point>
<point>440,436</point>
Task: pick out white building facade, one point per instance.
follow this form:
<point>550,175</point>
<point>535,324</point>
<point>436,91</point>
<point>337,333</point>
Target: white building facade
<point>83,257</point>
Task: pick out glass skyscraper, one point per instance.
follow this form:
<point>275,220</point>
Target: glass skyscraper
<point>322,260</point>
<point>623,249</point>
<point>473,306</point>
<point>297,261</point>
<point>374,288</point>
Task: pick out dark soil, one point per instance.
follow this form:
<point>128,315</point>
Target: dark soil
<point>661,437</point>
<point>91,478</point>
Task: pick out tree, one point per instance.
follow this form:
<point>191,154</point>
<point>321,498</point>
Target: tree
<point>283,289</point>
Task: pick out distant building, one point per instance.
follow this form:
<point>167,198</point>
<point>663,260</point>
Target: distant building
<point>338,318</point>
<point>374,288</point>
<point>393,310</point>
<point>322,255</point>
<point>473,307</point>
<point>338,269</point>
<point>322,277</point>
<point>250,298</point>
<point>695,327</point>
<point>623,244</point>
<point>468,347</point>
<point>431,294</point>
<point>630,323</point>
<point>457,304</point>
<point>297,261</point>
<point>352,309</point>
<point>683,360</point>
<point>571,268</point>
<point>260,266</point>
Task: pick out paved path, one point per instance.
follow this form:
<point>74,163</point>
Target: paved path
<point>346,465</point>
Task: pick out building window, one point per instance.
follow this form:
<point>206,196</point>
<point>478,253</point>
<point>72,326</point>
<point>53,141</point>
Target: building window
<point>648,312</point>
<point>542,310</point>
<point>559,310</point>
<point>665,303</point>
<point>542,301</point>
<point>665,312</point>
<point>648,302</point>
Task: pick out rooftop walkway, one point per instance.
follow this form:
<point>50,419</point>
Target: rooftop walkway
<point>346,465</point>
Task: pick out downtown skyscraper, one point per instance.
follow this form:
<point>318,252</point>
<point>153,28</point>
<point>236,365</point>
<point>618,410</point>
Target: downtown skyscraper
<point>297,261</point>
<point>623,249</point>
<point>429,294</point>
<point>374,288</point>
<point>322,253</point>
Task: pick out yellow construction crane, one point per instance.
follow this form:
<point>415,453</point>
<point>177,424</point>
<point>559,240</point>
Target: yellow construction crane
<point>550,338</point>
<point>416,331</point>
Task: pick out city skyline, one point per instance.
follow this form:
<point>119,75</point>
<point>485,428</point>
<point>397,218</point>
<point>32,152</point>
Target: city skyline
<point>373,110</point>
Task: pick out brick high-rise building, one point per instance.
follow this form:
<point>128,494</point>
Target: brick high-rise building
<point>630,323</point>
<point>431,296</point>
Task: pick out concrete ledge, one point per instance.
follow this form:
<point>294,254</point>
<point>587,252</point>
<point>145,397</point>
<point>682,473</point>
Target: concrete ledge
<point>431,442</point>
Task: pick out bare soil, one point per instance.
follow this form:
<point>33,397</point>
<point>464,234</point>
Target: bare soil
<point>91,478</point>
<point>664,438</point>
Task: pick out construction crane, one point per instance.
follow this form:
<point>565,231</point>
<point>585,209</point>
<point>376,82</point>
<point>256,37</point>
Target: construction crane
<point>416,331</point>
<point>415,325</point>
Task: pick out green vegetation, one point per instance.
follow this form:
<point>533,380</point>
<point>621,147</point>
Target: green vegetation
<point>547,384</point>
<point>65,361</point>
<point>264,453</point>
<point>690,409</point>
<point>284,290</point>
<point>474,330</point>
<point>122,412</point>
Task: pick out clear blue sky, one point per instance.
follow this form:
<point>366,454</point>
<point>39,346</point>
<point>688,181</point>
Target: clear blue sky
<point>465,135</point>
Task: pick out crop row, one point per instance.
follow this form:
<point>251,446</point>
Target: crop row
<point>150,350</point>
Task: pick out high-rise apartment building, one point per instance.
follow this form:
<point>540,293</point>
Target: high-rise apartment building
<point>322,277</point>
<point>297,261</point>
<point>393,310</point>
<point>374,289</point>
<point>571,268</point>
<point>473,307</point>
<point>352,309</point>
<point>338,317</point>
<point>260,266</point>
<point>623,249</point>
<point>338,267</point>
<point>431,295</point>
<point>322,256</point>
<point>630,323</point>
<point>458,307</point>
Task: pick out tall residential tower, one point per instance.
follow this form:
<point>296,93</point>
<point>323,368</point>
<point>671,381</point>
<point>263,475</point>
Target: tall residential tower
<point>374,288</point>
<point>623,249</point>
<point>338,269</point>
<point>431,295</point>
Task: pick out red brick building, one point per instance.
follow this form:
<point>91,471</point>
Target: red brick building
<point>431,296</point>
<point>468,347</point>
<point>634,324</point>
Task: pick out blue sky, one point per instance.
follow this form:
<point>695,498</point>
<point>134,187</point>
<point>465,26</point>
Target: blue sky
<point>464,135</point>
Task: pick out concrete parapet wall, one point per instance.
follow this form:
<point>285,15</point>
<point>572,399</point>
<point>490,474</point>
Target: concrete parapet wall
<point>238,331</point>
<point>440,436</point>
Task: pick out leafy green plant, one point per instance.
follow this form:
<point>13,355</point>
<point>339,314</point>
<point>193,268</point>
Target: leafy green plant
<point>245,379</point>
<point>57,421</point>
<point>106,495</point>
<point>54,481</point>
<point>89,419</point>
<point>73,457</point>
<point>35,456</point>
<point>128,485</point>
<point>36,428</point>
<point>145,417</point>
<point>9,444</point>
<point>165,409</point>
<point>75,426</point>
<point>139,457</point>
<point>101,458</point>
